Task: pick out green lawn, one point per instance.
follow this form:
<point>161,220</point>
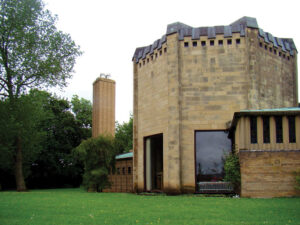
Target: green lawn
<point>75,206</point>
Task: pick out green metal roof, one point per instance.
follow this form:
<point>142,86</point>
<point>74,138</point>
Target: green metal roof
<point>125,155</point>
<point>290,109</point>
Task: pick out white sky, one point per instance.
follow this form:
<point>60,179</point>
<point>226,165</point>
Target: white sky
<point>109,32</point>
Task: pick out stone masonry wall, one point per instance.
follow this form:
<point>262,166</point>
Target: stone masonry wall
<point>269,173</point>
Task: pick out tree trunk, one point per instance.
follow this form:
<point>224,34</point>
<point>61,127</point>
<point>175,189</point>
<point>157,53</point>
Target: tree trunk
<point>19,167</point>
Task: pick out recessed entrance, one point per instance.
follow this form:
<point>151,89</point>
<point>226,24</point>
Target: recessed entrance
<point>153,151</point>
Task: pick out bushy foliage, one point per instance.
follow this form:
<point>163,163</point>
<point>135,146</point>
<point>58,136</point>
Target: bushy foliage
<point>297,178</point>
<point>124,136</point>
<point>97,155</point>
<point>232,170</point>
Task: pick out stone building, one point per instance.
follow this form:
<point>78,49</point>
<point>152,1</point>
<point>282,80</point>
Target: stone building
<point>187,87</point>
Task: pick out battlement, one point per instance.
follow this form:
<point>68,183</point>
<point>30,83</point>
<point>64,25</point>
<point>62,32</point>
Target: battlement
<point>286,44</point>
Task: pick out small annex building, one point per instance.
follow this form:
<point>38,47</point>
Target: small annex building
<point>197,91</point>
<point>121,179</point>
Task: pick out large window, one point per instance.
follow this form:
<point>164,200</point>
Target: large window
<point>211,147</point>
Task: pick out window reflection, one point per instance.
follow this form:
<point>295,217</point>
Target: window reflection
<point>211,147</point>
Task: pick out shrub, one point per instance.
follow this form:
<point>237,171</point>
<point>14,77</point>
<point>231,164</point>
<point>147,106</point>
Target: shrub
<point>97,155</point>
<point>232,170</point>
<point>297,178</point>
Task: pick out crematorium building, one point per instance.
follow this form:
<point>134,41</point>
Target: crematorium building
<point>202,92</point>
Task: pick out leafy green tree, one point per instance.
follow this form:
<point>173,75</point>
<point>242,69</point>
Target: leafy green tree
<point>124,136</point>
<point>55,166</point>
<point>97,155</point>
<point>83,110</point>
<point>23,123</point>
<point>33,54</point>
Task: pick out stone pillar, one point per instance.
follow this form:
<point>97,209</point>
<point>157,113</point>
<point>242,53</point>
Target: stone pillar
<point>172,182</point>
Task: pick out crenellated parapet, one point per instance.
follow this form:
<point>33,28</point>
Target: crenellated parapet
<point>285,45</point>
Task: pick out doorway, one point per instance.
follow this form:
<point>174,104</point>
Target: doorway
<point>153,162</point>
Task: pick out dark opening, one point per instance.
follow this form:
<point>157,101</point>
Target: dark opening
<point>284,56</point>
<point>165,50</point>
<point>147,60</point>
<point>253,129</point>
<point>280,54</point>
<point>278,123</point>
<point>270,49</point>
<point>229,42</point>
<point>266,129</point>
<point>151,57</point>
<point>238,41</point>
<point>220,42</point>
<point>288,58</point>
<point>118,170</point>
<point>266,47</point>
<point>260,44</point>
<point>129,170</point>
<point>212,42</point>
<point>203,43</point>
<point>275,52</point>
<point>211,148</point>
<point>292,129</point>
<point>123,170</point>
<point>160,52</point>
<point>186,44</point>
<point>194,43</point>
<point>154,162</point>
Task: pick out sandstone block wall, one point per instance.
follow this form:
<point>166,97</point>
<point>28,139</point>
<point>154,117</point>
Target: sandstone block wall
<point>269,173</point>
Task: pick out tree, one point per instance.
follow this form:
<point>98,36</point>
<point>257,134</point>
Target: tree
<point>97,155</point>
<point>124,136</point>
<point>33,54</point>
<point>55,166</point>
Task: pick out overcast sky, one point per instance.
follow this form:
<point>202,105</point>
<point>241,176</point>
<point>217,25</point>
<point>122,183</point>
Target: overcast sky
<point>109,32</point>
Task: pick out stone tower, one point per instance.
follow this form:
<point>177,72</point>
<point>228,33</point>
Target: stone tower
<point>190,82</point>
<point>103,107</point>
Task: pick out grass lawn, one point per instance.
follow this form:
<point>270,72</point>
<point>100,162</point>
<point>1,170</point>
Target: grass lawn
<point>75,206</point>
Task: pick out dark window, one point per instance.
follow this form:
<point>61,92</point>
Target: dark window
<point>238,41</point>
<point>253,129</point>
<point>220,42</point>
<point>270,49</point>
<point>155,55</point>
<point>140,64</point>
<point>118,170</point>
<point>165,50</point>
<point>212,42</point>
<point>292,129</point>
<point>151,57</point>
<point>288,58</point>
<point>266,47</point>
<point>278,124</point>
<point>260,44</point>
<point>275,52</point>
<point>123,170</point>
<point>160,52</point>
<point>266,129</point>
<point>280,54</point>
<point>186,44</point>
<point>129,170</point>
<point>284,56</point>
<point>229,41</point>
<point>203,43</point>
<point>194,43</point>
<point>144,62</point>
<point>147,60</point>
<point>211,148</point>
